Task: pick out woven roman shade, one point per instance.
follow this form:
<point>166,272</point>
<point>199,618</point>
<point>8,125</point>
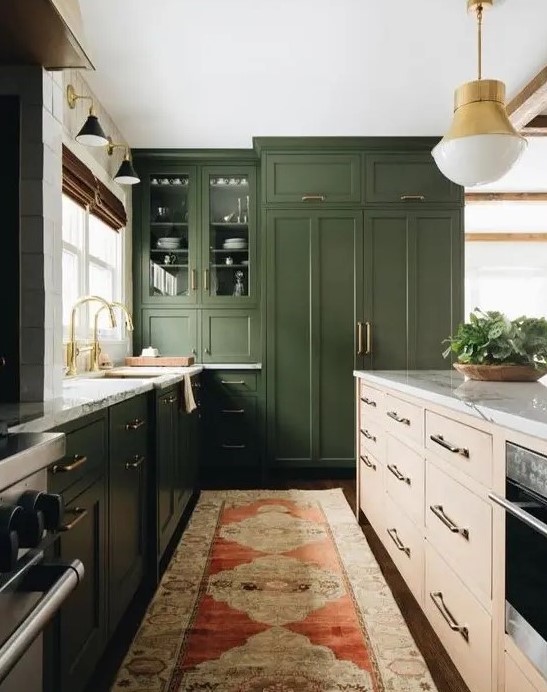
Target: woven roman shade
<point>82,186</point>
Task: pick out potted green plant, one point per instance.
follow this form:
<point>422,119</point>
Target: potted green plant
<point>492,347</point>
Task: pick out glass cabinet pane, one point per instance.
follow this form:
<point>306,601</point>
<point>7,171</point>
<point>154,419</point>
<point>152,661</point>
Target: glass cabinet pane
<point>229,215</point>
<point>170,274</point>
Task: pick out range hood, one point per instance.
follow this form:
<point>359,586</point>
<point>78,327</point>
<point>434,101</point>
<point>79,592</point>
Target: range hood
<point>42,32</point>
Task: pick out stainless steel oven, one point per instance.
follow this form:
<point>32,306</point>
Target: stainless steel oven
<point>32,589</point>
<point>525,504</point>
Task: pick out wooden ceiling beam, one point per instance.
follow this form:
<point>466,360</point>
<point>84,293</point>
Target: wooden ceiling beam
<point>477,197</point>
<point>529,102</point>
<point>537,127</point>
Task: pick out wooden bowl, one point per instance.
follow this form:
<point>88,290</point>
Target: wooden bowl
<point>500,373</point>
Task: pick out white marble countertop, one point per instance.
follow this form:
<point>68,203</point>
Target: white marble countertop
<point>231,366</point>
<point>85,394</point>
<point>520,406</point>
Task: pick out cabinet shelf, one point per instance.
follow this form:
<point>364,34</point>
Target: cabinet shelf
<point>168,224</point>
<point>229,226</point>
<point>229,252</point>
<point>171,266</point>
<point>229,266</point>
<point>169,252</point>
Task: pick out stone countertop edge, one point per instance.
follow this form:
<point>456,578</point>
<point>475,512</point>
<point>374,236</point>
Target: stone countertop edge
<point>519,406</point>
<point>84,396</point>
<point>231,366</point>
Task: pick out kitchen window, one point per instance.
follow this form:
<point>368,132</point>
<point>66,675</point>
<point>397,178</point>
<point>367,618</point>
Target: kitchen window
<point>92,265</point>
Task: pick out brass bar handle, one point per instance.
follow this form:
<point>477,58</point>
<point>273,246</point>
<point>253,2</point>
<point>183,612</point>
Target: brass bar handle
<point>224,446</point>
<point>368,402</point>
<point>232,382</point>
<point>439,439</point>
<point>135,424</point>
<point>394,416</point>
<point>398,475</point>
<point>367,462</point>
<point>193,280</point>
<point>172,399</point>
<point>368,349</point>
<point>313,198</point>
<point>370,437</point>
<point>437,598</point>
<point>79,513</point>
<point>360,351</point>
<point>77,461</point>
<point>412,198</point>
<point>138,459</point>
<point>233,410</point>
<point>439,512</point>
<point>400,545</point>
<point>205,279</point>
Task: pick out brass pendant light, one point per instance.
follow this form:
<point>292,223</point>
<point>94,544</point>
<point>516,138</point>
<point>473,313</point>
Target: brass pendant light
<point>481,144</point>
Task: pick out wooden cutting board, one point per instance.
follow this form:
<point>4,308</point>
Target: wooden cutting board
<point>165,361</point>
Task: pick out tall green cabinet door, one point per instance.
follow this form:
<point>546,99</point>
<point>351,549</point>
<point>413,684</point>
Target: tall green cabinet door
<point>314,280</point>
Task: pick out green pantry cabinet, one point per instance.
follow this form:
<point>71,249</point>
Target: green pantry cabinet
<point>196,287</point>
<point>364,269</point>
<point>114,496</point>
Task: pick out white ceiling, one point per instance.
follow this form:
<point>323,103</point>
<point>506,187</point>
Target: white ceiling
<point>213,73</point>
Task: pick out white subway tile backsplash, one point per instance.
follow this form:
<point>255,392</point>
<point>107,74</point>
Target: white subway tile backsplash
<point>32,271</point>
<point>32,345</point>
<point>32,308</point>
<point>32,197</point>
<point>32,234</point>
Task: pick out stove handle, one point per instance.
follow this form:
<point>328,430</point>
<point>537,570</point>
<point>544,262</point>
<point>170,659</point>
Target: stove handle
<point>519,513</point>
<point>21,639</point>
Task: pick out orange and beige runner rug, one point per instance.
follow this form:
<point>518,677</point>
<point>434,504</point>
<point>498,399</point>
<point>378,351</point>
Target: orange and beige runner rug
<point>273,591</point>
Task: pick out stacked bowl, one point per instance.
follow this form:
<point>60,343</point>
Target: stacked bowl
<point>168,243</point>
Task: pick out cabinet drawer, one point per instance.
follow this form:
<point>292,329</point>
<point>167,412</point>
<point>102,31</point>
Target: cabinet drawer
<point>404,418</point>
<point>515,679</point>
<point>459,525</point>
<point>371,490</point>
<point>371,401</point>
<point>407,178</point>
<point>372,439</point>
<point>405,543</point>
<point>86,455</point>
<point>129,426</point>
<point>405,478</point>
<point>310,178</point>
<point>233,381</point>
<point>461,623</point>
<point>234,421</point>
<point>466,448</point>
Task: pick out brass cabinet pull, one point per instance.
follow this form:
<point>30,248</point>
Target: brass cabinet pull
<point>398,475</point>
<point>439,512</point>
<point>412,198</point>
<point>137,461</point>
<point>224,446</point>
<point>360,350</point>
<point>135,424</point>
<point>313,198</point>
<point>368,402</point>
<point>233,410</point>
<point>439,439</point>
<point>79,513</point>
<point>194,280</point>
<point>170,400</point>
<point>394,416</point>
<point>368,435</point>
<point>368,349</point>
<point>400,545</point>
<point>367,462</point>
<point>232,382</point>
<point>77,461</point>
<point>437,598</point>
<point>205,279</point>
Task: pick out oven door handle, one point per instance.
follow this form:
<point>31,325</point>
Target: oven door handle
<point>21,639</point>
<point>519,513</point>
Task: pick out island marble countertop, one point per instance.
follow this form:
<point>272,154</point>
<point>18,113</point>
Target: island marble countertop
<point>520,406</point>
<point>85,394</point>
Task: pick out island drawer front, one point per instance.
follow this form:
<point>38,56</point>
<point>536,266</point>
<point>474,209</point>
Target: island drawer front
<point>129,426</point>
<point>405,478</point>
<point>448,604</point>
<point>86,455</point>
<point>371,401</point>
<point>515,679</point>
<point>404,419</point>
<point>459,525</point>
<point>371,490</point>
<point>405,543</point>
<point>372,438</point>
<point>466,448</point>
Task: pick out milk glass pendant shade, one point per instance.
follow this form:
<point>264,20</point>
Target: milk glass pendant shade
<point>481,145</point>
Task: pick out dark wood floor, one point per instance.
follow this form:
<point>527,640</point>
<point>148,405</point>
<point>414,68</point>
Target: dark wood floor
<point>442,669</point>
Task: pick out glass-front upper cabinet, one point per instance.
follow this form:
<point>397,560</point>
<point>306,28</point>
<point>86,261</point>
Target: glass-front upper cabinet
<point>171,237</point>
<point>229,235</point>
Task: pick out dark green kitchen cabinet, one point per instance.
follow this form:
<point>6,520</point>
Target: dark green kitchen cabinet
<point>412,289</point>
<point>128,460</point>
<point>172,332</point>
<point>312,178</point>
<point>407,177</point>
<point>313,302</point>
<point>230,336</point>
